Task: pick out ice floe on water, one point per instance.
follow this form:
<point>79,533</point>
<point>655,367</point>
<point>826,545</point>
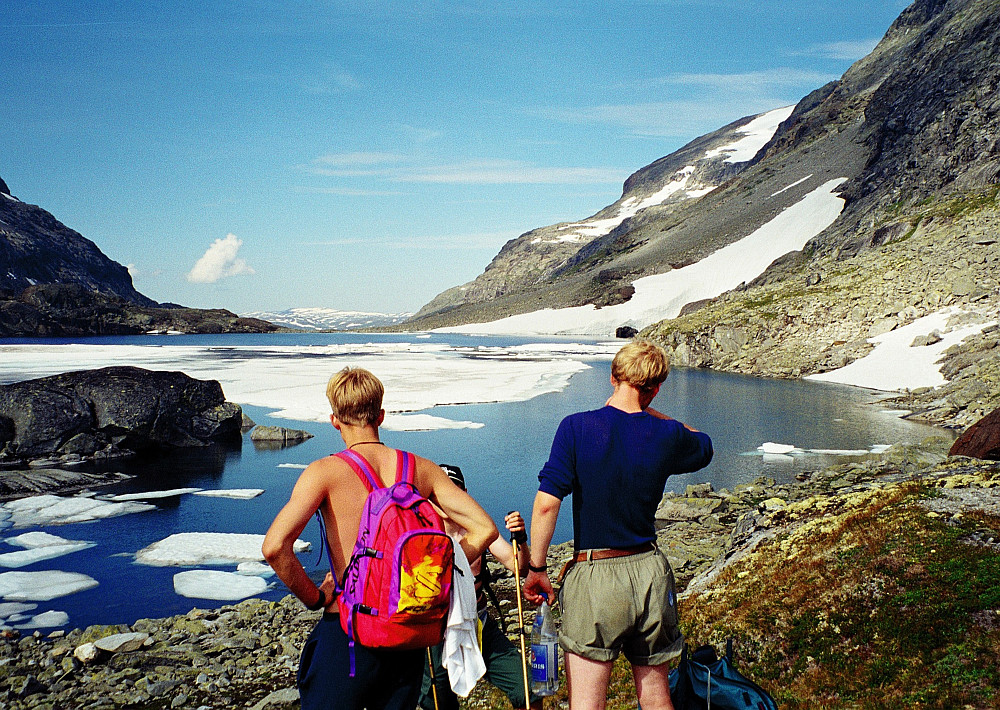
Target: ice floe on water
<point>58,510</point>
<point>9,609</point>
<point>220,586</point>
<point>425,422</point>
<point>42,586</point>
<point>205,548</point>
<point>46,620</point>
<point>151,495</point>
<point>22,558</point>
<point>257,569</point>
<point>786,452</point>
<point>290,380</point>
<point>293,465</point>
<point>237,493</point>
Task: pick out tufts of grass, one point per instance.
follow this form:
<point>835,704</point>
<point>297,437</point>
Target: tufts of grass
<point>879,606</point>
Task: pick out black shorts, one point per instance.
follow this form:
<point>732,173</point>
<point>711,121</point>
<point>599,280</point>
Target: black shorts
<point>383,680</point>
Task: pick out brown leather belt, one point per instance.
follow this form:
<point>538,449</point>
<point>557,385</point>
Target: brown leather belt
<point>604,554</point>
<point>607,554</point>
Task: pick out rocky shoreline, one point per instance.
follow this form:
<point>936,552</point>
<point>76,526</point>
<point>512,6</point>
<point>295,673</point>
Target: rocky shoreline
<point>246,654</point>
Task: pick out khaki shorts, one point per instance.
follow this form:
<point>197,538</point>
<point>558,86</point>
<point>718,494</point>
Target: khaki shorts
<point>622,604</point>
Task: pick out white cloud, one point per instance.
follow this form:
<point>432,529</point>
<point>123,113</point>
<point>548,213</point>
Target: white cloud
<point>358,158</point>
<point>333,80</point>
<point>849,50</point>
<point>475,172</point>
<point>220,261</point>
<point>695,103</point>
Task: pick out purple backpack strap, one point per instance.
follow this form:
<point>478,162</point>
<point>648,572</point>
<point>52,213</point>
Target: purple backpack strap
<point>361,467</point>
<point>406,466</point>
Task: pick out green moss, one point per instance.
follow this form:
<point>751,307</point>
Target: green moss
<point>879,611</point>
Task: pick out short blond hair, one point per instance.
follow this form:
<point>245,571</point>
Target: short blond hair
<point>355,396</point>
<point>642,364</point>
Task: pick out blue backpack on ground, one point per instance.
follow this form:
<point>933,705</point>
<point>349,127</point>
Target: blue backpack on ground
<point>703,681</point>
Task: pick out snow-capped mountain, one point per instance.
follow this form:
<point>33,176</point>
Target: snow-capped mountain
<point>328,318</point>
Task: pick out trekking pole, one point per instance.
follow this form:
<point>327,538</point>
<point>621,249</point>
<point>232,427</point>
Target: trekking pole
<point>434,687</point>
<point>520,538</point>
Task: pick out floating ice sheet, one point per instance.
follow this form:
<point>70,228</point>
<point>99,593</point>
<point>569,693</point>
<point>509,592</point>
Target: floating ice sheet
<point>769,447</point>
<point>239,493</point>
<point>204,548</point>
<point>9,609</point>
<point>221,586</point>
<point>293,465</point>
<point>258,569</point>
<point>150,495</point>
<point>59,510</point>
<point>425,422</point>
<point>290,380</point>
<point>46,620</point>
<point>22,558</point>
<point>42,586</point>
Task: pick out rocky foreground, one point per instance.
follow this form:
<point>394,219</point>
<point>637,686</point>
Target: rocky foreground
<point>245,655</point>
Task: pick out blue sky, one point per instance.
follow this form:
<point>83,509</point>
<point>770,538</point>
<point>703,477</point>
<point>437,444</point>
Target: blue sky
<point>368,155</point>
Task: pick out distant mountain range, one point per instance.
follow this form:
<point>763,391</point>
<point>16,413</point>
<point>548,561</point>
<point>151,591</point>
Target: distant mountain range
<point>328,318</point>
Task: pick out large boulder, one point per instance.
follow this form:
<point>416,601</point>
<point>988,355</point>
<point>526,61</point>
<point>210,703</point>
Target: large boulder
<point>981,440</point>
<point>112,409</point>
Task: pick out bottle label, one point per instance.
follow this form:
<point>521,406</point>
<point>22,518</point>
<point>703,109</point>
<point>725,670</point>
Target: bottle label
<point>543,662</point>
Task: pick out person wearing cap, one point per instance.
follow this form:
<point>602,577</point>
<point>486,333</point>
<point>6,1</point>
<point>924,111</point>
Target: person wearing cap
<point>504,663</point>
<point>618,595</point>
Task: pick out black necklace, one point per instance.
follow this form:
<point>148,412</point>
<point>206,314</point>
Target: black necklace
<point>359,443</point>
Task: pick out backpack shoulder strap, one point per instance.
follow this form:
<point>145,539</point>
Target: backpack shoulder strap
<point>406,466</point>
<point>361,467</point>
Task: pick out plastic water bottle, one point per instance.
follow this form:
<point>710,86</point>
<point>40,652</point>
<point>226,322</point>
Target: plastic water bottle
<point>544,654</point>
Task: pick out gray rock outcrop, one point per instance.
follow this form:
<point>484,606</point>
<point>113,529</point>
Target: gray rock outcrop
<point>112,410</point>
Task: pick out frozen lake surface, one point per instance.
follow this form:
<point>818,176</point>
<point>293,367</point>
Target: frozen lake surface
<point>488,404</point>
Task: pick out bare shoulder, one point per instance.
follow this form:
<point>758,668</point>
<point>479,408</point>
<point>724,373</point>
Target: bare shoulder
<point>328,469</point>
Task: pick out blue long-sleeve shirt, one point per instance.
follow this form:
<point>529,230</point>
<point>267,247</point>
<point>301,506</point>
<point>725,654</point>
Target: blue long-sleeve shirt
<point>616,464</point>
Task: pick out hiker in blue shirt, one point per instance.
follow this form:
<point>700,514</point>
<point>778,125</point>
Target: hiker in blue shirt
<point>386,679</point>
<point>618,596</point>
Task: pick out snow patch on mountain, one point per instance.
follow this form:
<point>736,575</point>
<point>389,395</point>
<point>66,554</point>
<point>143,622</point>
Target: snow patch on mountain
<point>328,318</point>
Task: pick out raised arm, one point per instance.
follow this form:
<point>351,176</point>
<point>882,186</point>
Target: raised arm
<point>459,506</point>
<point>503,551</point>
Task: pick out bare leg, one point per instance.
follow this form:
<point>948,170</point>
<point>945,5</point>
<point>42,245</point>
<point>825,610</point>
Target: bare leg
<point>652,686</point>
<point>588,682</point>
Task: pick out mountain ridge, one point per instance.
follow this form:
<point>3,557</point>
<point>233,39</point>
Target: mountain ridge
<point>55,282</point>
<point>915,118</point>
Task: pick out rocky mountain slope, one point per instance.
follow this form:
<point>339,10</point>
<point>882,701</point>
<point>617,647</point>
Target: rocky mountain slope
<point>912,129</point>
<point>54,282</point>
<point>915,120</point>
<point>558,265</point>
<point>36,248</point>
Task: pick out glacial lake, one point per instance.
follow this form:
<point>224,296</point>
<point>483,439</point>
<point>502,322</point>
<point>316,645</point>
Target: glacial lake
<point>500,445</point>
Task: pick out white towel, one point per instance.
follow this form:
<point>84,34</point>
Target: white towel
<point>461,656</point>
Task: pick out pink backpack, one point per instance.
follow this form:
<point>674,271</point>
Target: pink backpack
<point>397,585</point>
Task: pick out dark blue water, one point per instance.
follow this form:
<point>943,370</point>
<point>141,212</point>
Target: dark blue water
<point>500,460</point>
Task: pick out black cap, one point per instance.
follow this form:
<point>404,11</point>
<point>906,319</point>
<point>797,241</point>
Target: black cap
<point>455,474</point>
